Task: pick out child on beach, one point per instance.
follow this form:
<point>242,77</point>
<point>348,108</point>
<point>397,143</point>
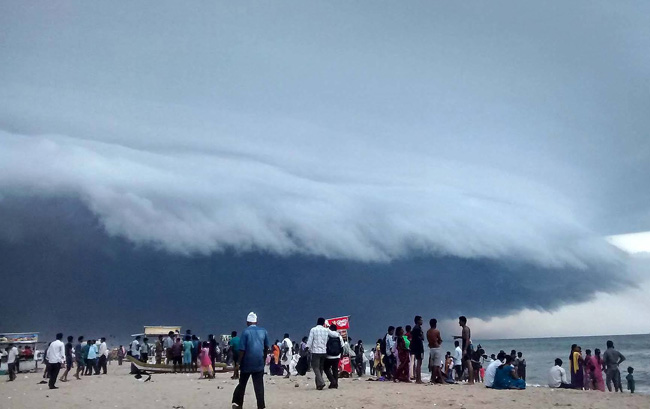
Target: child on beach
<point>206,362</point>
<point>630,379</point>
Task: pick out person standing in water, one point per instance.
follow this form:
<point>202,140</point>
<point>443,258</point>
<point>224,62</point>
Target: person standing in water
<point>612,359</point>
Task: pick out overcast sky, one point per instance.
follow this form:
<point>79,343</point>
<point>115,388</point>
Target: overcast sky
<point>287,156</point>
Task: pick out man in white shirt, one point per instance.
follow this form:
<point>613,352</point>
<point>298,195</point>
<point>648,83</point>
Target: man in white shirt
<point>317,344</point>
<point>55,357</point>
<point>458,360</point>
<point>491,370</point>
<point>557,376</point>
<point>103,356</point>
<point>12,357</point>
<point>135,348</point>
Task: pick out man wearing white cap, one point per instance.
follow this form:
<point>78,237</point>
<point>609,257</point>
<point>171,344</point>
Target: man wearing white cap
<point>253,347</point>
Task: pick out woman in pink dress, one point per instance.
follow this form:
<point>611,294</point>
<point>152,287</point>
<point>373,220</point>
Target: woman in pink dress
<point>206,362</point>
<point>595,364</point>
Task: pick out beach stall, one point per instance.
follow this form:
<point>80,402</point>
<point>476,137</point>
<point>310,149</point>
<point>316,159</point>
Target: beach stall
<point>153,331</point>
<point>26,343</point>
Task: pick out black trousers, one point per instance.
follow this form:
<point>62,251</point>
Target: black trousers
<point>371,363</point>
<point>361,368</point>
<point>331,369</point>
<point>11,368</point>
<point>101,364</point>
<point>90,366</point>
<point>54,373</point>
<point>389,364</point>
<point>258,385</point>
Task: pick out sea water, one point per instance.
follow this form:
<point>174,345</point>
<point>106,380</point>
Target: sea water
<point>540,354</point>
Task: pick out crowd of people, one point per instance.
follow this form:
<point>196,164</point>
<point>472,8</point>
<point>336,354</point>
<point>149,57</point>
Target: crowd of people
<point>586,371</point>
<point>397,356</point>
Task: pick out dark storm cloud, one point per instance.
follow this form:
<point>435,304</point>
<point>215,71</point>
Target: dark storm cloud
<point>57,252</point>
<point>444,143</point>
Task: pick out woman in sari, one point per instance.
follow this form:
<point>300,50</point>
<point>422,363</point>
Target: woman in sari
<point>402,373</point>
<point>506,376</point>
<point>275,359</point>
<point>577,368</point>
<point>596,368</point>
<point>379,359</point>
<point>589,382</point>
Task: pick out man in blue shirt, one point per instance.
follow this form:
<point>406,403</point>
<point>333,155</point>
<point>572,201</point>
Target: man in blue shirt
<point>253,347</point>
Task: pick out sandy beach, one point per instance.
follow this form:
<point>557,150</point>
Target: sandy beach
<point>118,389</point>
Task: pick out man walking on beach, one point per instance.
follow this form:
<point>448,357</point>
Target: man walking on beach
<point>466,337</point>
<point>612,359</point>
<point>253,347</point>
<point>55,357</point>
<point>79,356</point>
<point>388,344</point>
<point>68,359</point>
<point>317,345</point>
<point>417,347</point>
<point>435,353</point>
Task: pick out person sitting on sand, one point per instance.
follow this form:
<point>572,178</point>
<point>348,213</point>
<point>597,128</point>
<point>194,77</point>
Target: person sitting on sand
<point>557,376</point>
<point>506,377</point>
<point>491,370</point>
<point>449,365</point>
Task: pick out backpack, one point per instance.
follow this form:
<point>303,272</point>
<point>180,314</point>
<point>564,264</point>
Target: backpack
<point>333,346</point>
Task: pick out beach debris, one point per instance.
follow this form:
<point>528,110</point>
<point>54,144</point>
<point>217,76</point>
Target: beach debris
<point>298,386</point>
